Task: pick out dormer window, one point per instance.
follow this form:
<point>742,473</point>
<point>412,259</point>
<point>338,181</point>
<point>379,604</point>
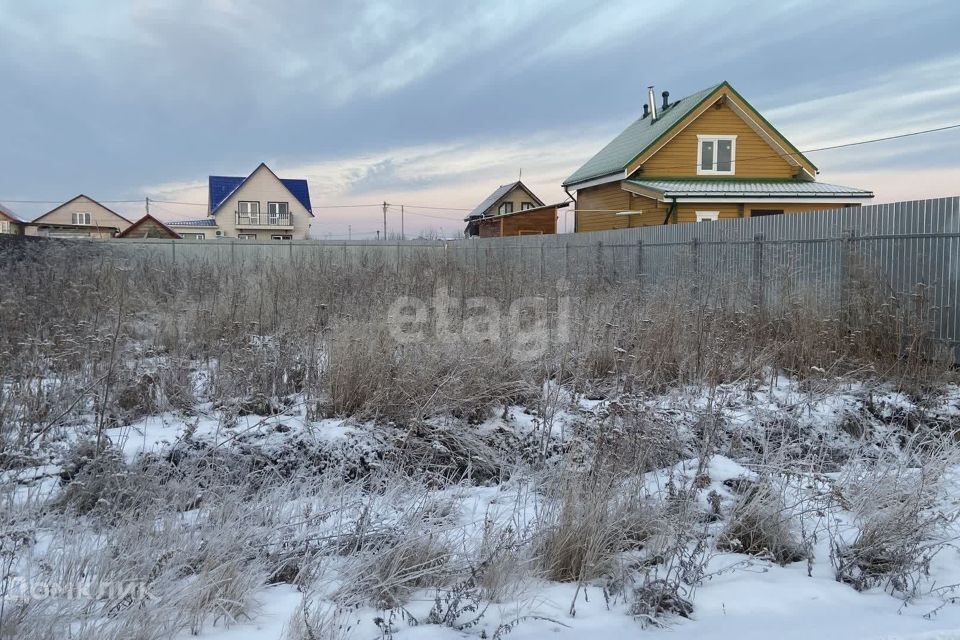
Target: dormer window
<point>506,207</point>
<point>716,155</point>
<point>80,217</point>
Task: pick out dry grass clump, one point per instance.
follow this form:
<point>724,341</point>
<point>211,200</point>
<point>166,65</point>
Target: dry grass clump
<point>318,620</point>
<point>899,530</point>
<point>587,518</point>
<point>761,525</point>
<point>373,376</point>
<point>386,577</point>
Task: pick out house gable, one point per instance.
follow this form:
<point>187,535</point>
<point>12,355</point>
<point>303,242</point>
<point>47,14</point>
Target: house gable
<point>223,188</point>
<point>761,150</point>
<point>645,137</point>
<point>149,227</point>
<point>100,216</point>
<point>515,192</point>
<point>517,196</point>
<point>263,187</point>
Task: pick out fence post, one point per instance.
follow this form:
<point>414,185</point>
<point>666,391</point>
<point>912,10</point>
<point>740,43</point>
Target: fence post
<point>541,259</point>
<point>695,258</point>
<point>173,252</point>
<point>846,248</point>
<point>640,260</point>
<point>599,260</point>
<point>758,271</point>
<point>566,259</point>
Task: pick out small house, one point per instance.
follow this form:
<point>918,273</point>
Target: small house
<point>9,222</point>
<point>708,156</point>
<point>512,210</point>
<point>81,217</point>
<point>260,206</point>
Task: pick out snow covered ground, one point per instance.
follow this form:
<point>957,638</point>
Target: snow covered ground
<point>762,431</point>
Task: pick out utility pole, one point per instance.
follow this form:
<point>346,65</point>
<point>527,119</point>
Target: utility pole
<point>349,232</point>
<point>146,202</point>
<point>378,234</point>
<point>402,235</point>
<point>384,220</point>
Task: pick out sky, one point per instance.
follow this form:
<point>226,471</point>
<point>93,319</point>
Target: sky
<point>434,103</point>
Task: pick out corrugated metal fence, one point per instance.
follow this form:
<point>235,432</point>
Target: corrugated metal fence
<point>914,247</point>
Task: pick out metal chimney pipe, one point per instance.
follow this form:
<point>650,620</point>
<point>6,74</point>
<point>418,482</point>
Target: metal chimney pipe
<point>666,99</point>
<point>652,101</point>
<point>646,109</point>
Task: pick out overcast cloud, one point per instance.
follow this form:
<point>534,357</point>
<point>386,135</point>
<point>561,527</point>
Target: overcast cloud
<point>436,102</point>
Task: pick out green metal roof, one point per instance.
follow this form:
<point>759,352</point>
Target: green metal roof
<point>637,138</point>
<point>728,188</point>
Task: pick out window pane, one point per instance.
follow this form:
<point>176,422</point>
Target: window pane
<point>724,155</point>
<point>706,155</point>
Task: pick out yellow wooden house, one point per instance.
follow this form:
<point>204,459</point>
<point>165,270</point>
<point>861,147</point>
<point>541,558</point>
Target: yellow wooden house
<point>709,156</point>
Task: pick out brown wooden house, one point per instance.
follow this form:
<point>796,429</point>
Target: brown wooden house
<point>535,221</point>
<point>709,156</point>
<point>149,227</point>
<point>511,210</point>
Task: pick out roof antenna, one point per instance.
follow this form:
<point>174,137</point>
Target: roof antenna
<point>521,175</point>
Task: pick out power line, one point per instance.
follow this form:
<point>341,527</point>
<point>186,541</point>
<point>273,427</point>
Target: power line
<point>420,206</point>
<point>828,148</point>
<point>414,206</point>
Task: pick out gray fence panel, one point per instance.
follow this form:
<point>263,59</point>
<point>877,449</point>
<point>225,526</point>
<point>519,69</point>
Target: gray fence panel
<point>915,245</point>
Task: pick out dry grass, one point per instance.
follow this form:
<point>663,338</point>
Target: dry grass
<point>87,345</point>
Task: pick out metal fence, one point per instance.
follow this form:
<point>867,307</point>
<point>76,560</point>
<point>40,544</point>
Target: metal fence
<point>914,247</point>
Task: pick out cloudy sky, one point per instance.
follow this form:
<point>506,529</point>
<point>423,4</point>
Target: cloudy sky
<point>433,103</point>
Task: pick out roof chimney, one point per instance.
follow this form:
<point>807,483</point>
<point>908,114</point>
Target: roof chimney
<point>666,99</point>
<point>646,109</point>
<point>652,101</point>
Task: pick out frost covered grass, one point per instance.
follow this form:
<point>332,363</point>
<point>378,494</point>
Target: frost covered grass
<point>205,449</point>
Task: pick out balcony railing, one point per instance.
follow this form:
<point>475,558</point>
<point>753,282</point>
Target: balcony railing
<point>264,219</point>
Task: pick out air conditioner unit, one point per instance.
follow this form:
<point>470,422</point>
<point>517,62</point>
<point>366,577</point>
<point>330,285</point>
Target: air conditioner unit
<point>219,234</point>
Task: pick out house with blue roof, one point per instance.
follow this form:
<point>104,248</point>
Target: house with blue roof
<point>260,206</point>
<point>708,156</point>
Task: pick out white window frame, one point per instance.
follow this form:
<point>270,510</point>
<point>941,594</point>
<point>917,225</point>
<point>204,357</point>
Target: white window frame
<point>5,226</point>
<point>715,140</point>
<point>246,236</point>
<point>77,217</point>
<point>252,214</point>
<point>194,236</point>
<point>526,206</point>
<point>708,216</point>
<point>274,213</point>
<point>281,236</point>
<point>502,209</point>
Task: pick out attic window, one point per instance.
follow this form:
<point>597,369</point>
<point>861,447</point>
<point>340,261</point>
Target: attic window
<point>81,218</point>
<point>506,207</point>
<point>526,205</point>
<point>716,155</point>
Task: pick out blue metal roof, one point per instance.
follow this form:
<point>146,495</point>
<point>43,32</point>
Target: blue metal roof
<point>222,187</point>
<point>206,222</point>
